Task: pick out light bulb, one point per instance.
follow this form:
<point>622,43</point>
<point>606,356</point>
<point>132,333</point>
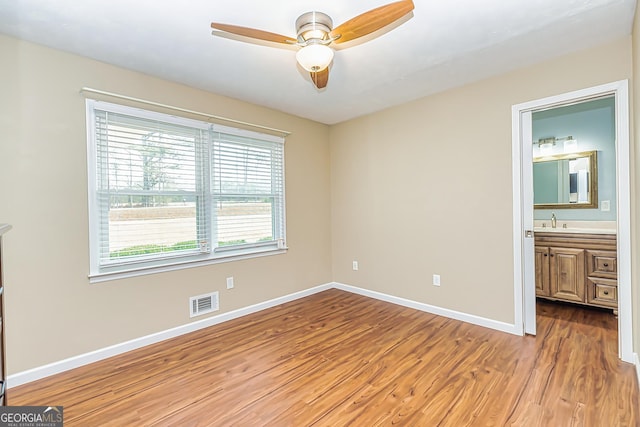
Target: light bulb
<point>315,57</point>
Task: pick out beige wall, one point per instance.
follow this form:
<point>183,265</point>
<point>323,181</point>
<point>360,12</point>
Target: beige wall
<point>426,188</point>
<point>52,311</point>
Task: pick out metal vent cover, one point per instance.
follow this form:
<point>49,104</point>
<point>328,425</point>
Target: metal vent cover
<point>203,304</point>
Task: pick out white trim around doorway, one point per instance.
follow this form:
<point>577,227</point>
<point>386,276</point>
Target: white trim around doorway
<point>620,90</point>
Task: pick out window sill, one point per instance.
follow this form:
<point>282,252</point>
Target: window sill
<point>143,271</point>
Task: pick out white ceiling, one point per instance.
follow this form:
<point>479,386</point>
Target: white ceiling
<point>444,44</point>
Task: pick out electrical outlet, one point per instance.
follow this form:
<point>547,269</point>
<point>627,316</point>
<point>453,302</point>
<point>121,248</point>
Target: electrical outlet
<point>436,280</point>
<point>605,205</point>
<point>230,282</point>
<point>355,265</point>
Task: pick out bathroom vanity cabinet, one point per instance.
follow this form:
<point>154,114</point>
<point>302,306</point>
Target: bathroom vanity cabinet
<point>577,267</point>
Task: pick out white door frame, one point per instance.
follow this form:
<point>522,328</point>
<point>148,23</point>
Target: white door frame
<point>523,263</point>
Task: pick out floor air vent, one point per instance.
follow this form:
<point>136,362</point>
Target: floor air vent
<point>203,304</point>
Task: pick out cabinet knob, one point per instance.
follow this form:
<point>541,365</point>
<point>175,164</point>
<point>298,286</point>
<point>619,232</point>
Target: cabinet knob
<point>606,264</point>
<point>606,292</point>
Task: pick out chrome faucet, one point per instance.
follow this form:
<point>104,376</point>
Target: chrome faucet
<point>553,220</point>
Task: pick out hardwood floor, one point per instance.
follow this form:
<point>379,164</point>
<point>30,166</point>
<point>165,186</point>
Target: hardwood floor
<point>337,359</point>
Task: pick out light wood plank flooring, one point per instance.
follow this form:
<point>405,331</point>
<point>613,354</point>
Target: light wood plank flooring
<point>337,359</point>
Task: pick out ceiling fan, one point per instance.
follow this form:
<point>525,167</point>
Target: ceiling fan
<point>315,34</point>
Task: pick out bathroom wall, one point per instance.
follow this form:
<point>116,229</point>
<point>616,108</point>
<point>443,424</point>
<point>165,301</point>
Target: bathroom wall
<point>592,124</point>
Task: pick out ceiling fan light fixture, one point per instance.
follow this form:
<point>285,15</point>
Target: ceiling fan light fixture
<point>315,57</point>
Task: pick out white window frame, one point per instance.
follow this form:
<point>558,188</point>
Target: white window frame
<point>104,272</point>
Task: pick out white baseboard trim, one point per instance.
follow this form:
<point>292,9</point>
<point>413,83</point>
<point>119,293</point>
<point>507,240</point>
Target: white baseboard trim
<point>114,350</point>
<point>452,314</point>
<point>103,353</point>
<point>636,361</point>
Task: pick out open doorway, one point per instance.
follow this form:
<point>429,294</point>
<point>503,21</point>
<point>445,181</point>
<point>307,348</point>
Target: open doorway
<point>575,218</point>
<point>524,220</point>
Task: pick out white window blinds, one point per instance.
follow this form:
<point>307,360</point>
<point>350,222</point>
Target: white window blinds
<point>247,190</point>
<point>167,190</point>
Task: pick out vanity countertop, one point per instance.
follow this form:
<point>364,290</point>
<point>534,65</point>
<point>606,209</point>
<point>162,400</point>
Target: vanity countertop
<point>577,227</point>
<point>575,230</point>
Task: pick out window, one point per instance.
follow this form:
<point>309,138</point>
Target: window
<point>166,192</point>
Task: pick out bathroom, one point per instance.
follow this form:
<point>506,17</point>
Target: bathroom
<point>575,204</point>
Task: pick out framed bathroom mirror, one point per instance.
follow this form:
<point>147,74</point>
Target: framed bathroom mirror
<point>566,181</point>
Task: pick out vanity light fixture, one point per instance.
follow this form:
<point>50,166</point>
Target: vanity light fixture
<point>547,144</point>
<point>570,145</point>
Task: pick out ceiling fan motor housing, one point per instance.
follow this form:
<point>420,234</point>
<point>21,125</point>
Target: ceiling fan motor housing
<point>313,27</point>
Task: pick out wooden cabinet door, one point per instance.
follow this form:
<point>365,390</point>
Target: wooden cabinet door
<point>567,270</point>
<point>542,271</point>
